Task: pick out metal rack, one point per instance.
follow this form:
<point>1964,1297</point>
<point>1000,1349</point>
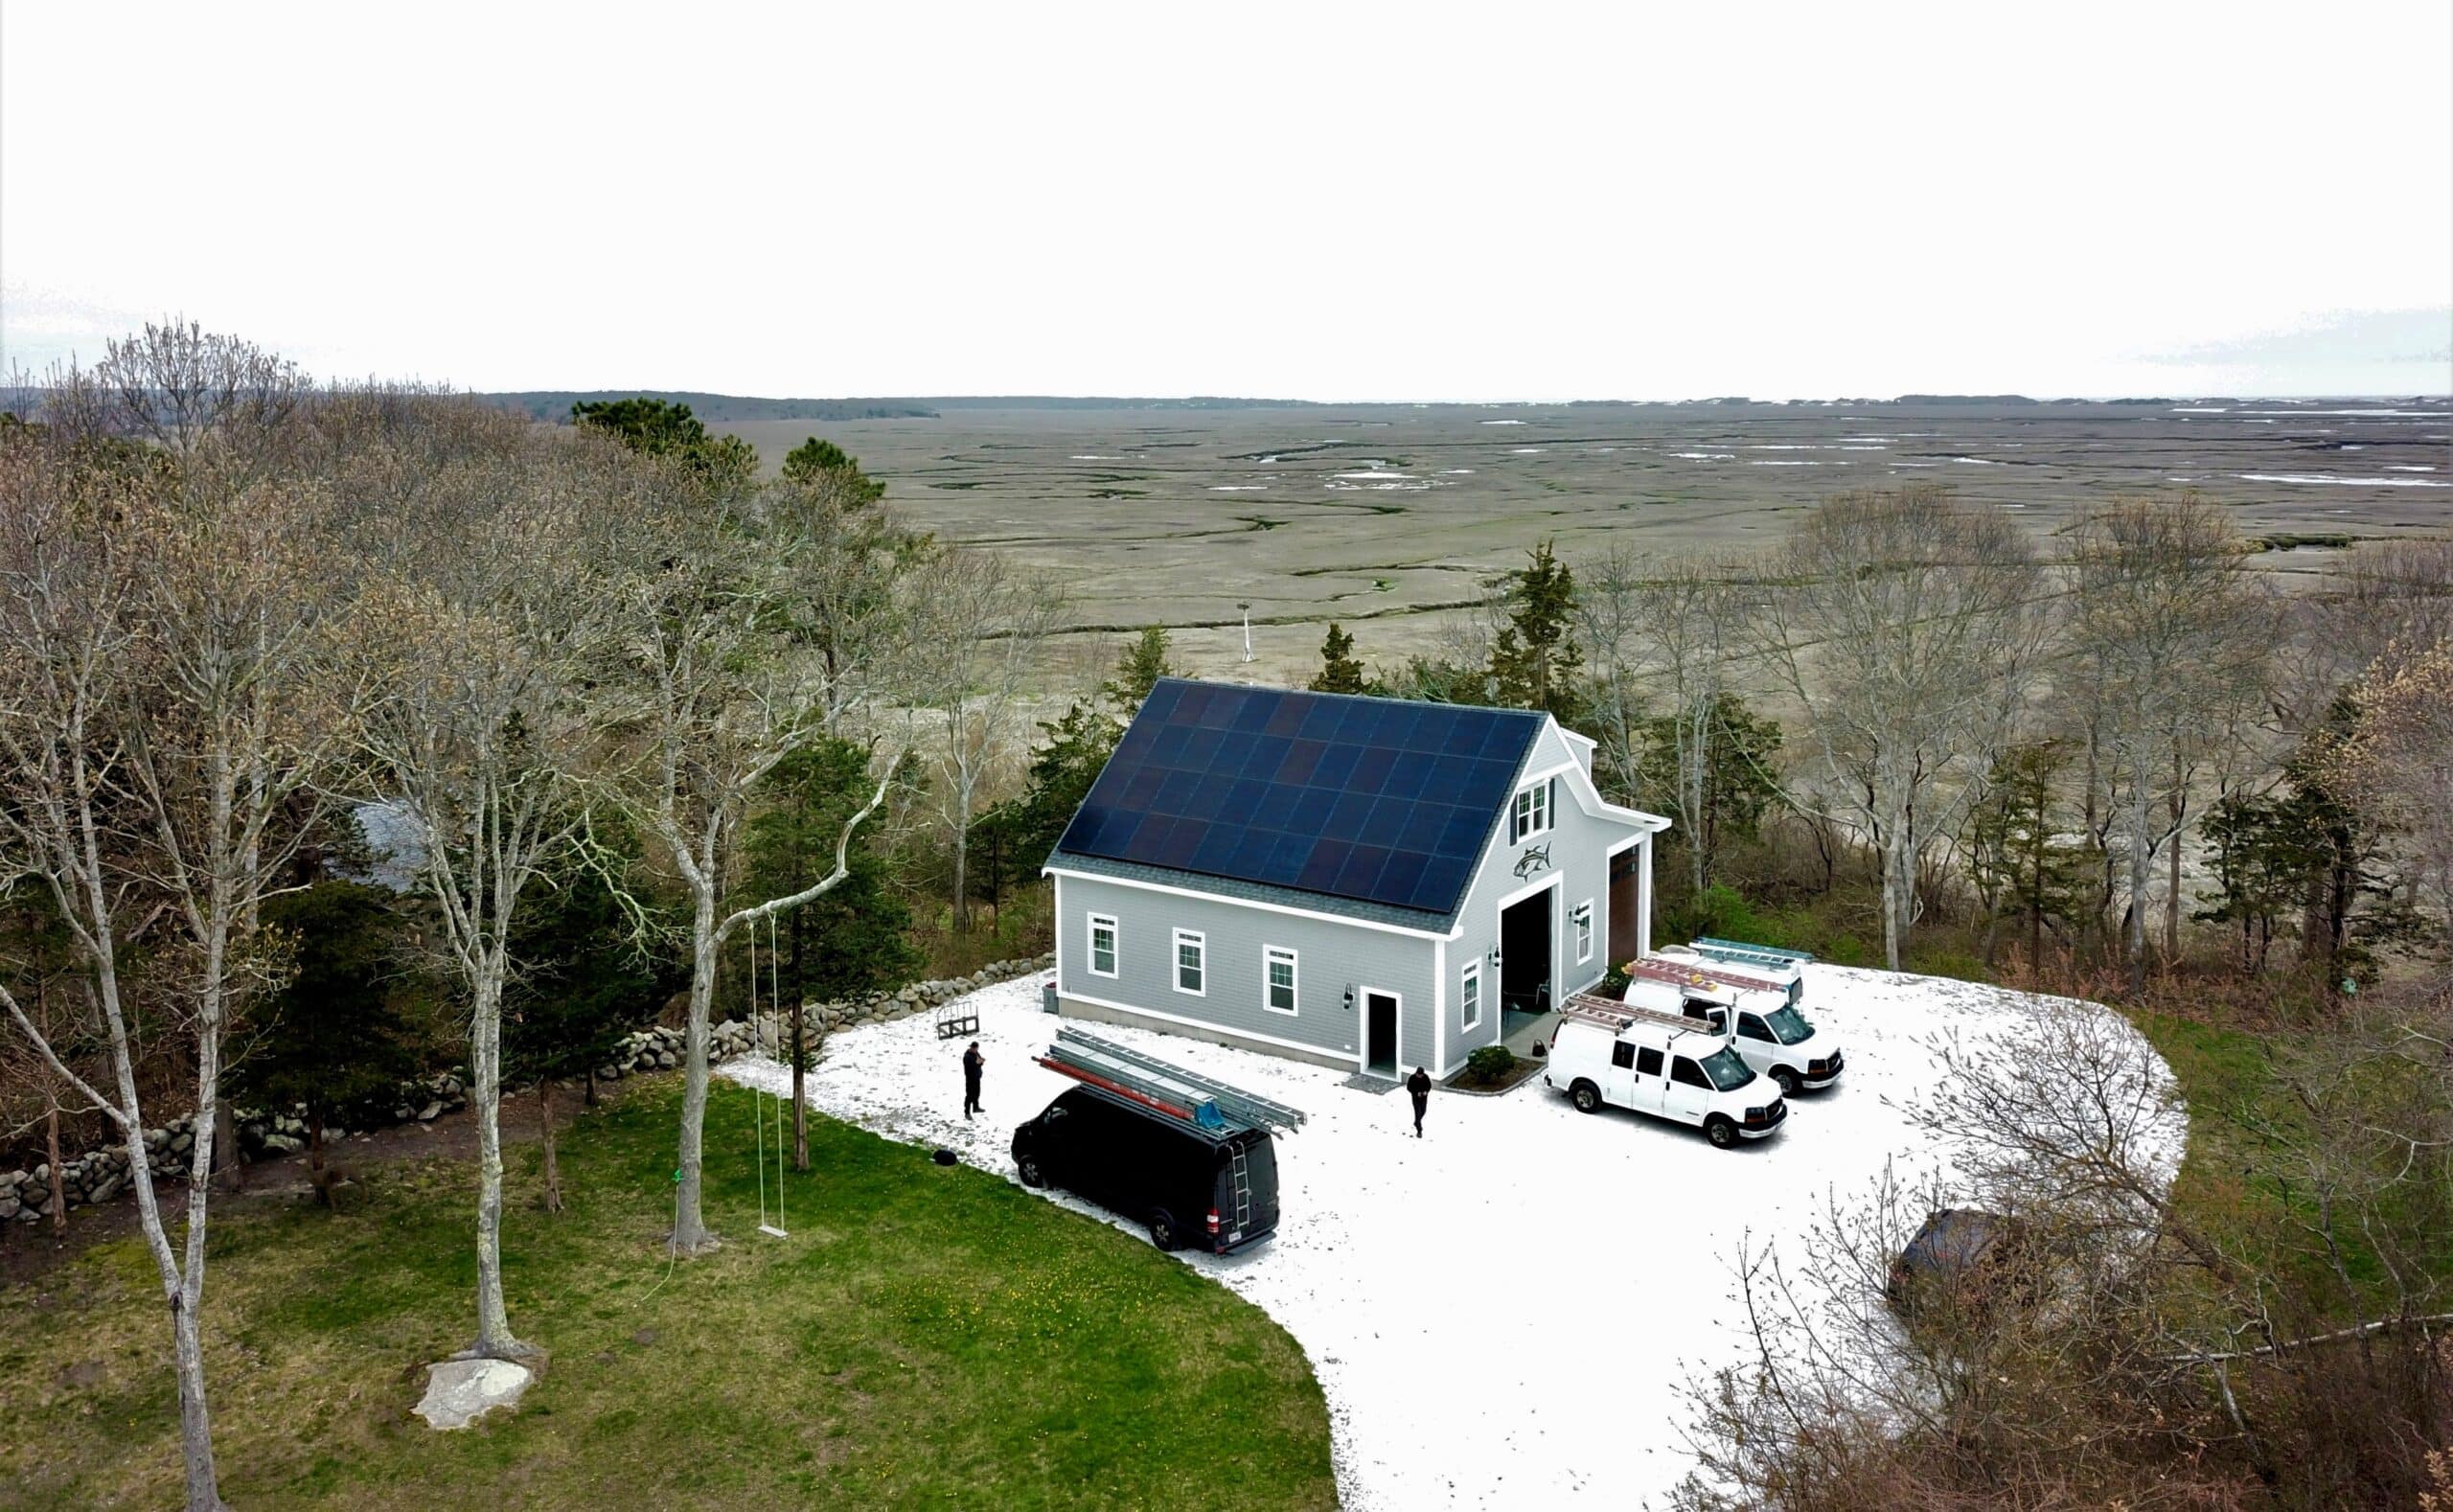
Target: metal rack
<point>1752,954</point>
<point>1162,1086</point>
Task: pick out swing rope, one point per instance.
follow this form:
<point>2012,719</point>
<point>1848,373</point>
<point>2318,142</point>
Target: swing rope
<point>757,1102</point>
<point>774,1001</point>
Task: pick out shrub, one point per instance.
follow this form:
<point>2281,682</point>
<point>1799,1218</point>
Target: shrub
<point>1490,1063</point>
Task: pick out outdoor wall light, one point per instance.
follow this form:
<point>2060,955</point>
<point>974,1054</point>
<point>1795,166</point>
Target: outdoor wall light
<point>1349,999</point>
<point>1494,957</point>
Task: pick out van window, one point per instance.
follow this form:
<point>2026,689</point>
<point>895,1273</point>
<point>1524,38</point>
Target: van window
<point>1623,1055</point>
<point>1648,1063</point>
<point>1752,1027</point>
<point>1687,1074</point>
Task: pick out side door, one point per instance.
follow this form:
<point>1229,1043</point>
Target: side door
<point>1756,1043</point>
<point>1646,1095</point>
<point>1687,1092</point>
<point>1619,1078</point>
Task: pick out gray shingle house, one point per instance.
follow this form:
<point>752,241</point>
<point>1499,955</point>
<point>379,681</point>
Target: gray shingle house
<point>1363,882</point>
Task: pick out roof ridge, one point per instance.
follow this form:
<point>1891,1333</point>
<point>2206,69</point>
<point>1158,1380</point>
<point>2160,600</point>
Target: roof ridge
<point>1355,697</point>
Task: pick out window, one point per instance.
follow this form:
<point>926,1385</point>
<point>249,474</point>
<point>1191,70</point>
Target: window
<point>1470,995</point>
<point>1648,1063</point>
<point>1277,975</point>
<point>1623,1055</point>
<point>1102,945</point>
<point>1687,1074</point>
<point>1751,1027</point>
<point>1191,950</point>
<point>1531,814</point>
<point>1584,932</point>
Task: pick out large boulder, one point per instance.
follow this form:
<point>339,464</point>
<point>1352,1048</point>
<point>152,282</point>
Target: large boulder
<point>460,1392</point>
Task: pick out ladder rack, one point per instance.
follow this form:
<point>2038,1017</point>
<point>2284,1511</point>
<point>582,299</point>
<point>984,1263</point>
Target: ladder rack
<point>1677,973</point>
<point>1618,1018</point>
<point>1710,974</point>
<point>1753,954</point>
<point>1162,1086</point>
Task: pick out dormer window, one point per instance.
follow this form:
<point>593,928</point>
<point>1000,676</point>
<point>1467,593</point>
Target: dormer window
<point>1531,813</point>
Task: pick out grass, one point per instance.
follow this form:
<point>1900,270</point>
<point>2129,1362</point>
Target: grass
<point>928,1337</point>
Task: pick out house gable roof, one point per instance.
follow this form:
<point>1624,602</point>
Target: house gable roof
<point>1382,803</point>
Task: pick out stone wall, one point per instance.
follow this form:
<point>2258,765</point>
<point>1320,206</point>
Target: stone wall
<point>99,1175</point>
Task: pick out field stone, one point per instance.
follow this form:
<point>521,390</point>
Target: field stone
<point>460,1392</point>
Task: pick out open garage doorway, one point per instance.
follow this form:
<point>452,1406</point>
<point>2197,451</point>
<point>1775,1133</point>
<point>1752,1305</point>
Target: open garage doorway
<point>1527,935</point>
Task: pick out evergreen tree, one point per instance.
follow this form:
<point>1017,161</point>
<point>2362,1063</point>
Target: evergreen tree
<point>2262,858</point>
<point>1136,672</point>
<point>1737,780</point>
<point>2018,859</point>
<point>1341,671</point>
<point>1535,659</point>
<point>1021,832</point>
<point>584,979</point>
<point>661,429</point>
<point>818,460</point>
<point>854,939</point>
<point>339,1033</point>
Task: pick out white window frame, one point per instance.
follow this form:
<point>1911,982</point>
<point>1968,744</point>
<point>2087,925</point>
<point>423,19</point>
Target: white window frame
<point>1200,943</point>
<point>1583,917</point>
<point>1271,955</point>
<point>1115,945</point>
<point>1469,993</point>
<point>1532,801</point>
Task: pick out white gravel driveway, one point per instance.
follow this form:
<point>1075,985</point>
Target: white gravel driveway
<point>1505,1313</point>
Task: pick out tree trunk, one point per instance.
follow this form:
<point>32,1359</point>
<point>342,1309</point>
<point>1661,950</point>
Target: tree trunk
<point>58,1181</point>
<point>229,1167</point>
<point>1898,885</point>
<point>2140,867</point>
<point>315,1154</point>
<point>962,868</point>
<point>495,1339</point>
<point>2172,896</point>
<point>545,1133</point>
<point>690,1235</point>
<point>800,1051</point>
<point>588,1098</point>
<point>195,1419</point>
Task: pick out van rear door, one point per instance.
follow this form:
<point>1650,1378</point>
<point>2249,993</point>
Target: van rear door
<point>1618,1078</point>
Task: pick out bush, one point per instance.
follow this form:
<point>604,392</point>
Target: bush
<point>1492,1063</point>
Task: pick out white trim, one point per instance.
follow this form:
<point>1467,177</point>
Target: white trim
<point>1056,902</point>
<point>1249,903</point>
<point>1589,797</point>
<point>1211,1024</point>
<point>1175,963</point>
<point>1543,788</point>
<point>1091,923</point>
<point>1363,1028</point>
<point>1471,971</point>
<point>1580,920</point>
<point>1440,1008</point>
<point>1499,936</point>
<point>1550,879</point>
<point>1294,979</point>
<point>1644,900</point>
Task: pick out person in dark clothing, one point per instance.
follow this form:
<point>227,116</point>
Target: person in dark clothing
<point>1418,1086</point>
<point>972,1063</point>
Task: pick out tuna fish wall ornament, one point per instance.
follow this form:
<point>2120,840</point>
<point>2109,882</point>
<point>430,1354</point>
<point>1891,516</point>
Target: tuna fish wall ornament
<point>1536,859</point>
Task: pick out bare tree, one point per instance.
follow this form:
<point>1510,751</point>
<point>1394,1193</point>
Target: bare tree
<point>166,631</point>
<point>487,603</point>
<point>720,679</point>
<point>978,626</point>
<point>2171,637</point>
<point>1909,626</point>
<point>1663,636</point>
<point>2398,763</point>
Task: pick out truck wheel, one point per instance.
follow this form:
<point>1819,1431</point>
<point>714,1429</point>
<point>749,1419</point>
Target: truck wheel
<point>1720,1131</point>
<point>1027,1168</point>
<point>1586,1097</point>
<point>1162,1230</point>
<point>1788,1080</point>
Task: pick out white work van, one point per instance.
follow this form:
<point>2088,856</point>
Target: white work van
<point>1772,1033</point>
<point>1673,1068</point>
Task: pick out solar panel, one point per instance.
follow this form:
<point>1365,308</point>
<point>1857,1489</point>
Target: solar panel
<point>1364,798</point>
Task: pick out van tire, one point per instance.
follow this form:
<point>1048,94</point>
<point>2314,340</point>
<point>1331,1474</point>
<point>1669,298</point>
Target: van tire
<point>1027,1168</point>
<point>1787,1079</point>
<point>1162,1230</point>
<point>1721,1132</point>
<point>1586,1097</point>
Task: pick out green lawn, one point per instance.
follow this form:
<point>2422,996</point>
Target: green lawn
<point>928,1337</point>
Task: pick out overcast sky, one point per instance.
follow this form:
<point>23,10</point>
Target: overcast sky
<point>1502,201</point>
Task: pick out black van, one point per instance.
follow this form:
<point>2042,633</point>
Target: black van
<point>1195,1187</point>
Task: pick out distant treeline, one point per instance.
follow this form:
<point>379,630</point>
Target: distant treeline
<point>555,404</point>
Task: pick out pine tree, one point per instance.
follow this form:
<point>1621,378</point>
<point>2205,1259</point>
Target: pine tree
<point>1341,671</point>
<point>2017,858</point>
<point>1136,672</point>
<point>1535,659</point>
<point>818,460</point>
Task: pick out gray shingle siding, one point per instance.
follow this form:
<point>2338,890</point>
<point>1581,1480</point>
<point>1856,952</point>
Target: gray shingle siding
<point>1330,957</point>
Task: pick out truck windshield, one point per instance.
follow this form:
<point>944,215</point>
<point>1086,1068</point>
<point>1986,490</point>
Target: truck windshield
<point>1789,1026</point>
<point>1727,1071</point>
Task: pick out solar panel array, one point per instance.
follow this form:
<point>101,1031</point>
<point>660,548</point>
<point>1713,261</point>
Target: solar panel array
<point>1365,798</point>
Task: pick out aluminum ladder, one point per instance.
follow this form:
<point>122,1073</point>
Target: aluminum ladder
<point>1164,1085</point>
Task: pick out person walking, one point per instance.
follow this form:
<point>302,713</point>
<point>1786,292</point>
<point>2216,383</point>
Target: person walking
<point>1418,1087</point>
<point>972,1062</point>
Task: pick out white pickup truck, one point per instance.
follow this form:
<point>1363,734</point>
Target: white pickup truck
<point>1664,1065</point>
<point>1772,1033</point>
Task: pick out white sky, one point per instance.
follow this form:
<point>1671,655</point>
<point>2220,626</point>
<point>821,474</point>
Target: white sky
<point>1497,201</point>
